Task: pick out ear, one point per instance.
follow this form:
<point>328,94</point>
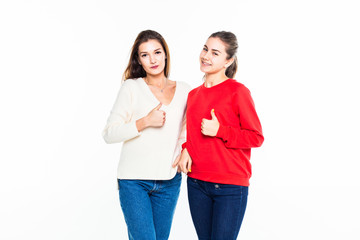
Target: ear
<point>229,62</point>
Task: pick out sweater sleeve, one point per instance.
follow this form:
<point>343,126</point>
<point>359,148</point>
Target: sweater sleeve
<point>249,133</point>
<point>182,139</point>
<point>182,136</point>
<point>120,125</point>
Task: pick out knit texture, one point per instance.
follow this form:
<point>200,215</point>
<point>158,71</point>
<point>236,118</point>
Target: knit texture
<point>150,153</point>
<point>224,158</point>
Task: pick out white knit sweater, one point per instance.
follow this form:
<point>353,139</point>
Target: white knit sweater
<point>150,153</point>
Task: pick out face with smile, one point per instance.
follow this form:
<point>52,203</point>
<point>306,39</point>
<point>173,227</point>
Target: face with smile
<point>213,57</point>
<point>152,57</point>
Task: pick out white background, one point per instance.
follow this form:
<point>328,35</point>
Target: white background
<point>60,68</point>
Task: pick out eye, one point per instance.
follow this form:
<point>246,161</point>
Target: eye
<point>205,49</point>
<point>158,52</point>
<point>143,55</point>
<point>216,54</point>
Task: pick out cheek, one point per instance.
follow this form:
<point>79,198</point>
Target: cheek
<point>145,63</point>
<point>162,59</point>
<point>141,61</point>
<point>219,62</point>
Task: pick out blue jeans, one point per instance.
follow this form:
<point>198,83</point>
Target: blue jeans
<point>148,206</point>
<point>217,210</point>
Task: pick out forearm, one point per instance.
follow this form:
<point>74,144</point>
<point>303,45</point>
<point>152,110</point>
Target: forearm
<point>120,125</point>
<point>248,134</point>
<point>119,132</point>
<point>142,123</point>
<point>235,137</point>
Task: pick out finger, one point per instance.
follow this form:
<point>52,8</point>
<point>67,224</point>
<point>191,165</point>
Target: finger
<point>189,165</point>
<point>158,106</point>
<point>213,116</point>
<point>176,162</point>
<point>183,167</point>
<point>204,123</point>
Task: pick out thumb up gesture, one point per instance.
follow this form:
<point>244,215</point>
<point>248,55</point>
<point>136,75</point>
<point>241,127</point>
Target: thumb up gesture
<point>156,117</point>
<point>210,127</point>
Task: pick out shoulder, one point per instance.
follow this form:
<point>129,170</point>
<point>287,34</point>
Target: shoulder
<point>183,85</point>
<point>237,87</point>
<point>241,94</point>
<point>195,90</point>
<point>131,84</point>
<point>182,88</point>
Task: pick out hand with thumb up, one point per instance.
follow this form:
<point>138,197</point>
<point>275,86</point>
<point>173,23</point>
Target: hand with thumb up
<point>155,118</point>
<point>210,127</point>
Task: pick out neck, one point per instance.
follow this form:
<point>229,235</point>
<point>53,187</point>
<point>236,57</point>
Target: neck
<point>214,79</point>
<point>158,80</point>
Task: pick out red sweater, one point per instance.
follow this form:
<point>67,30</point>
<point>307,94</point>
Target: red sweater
<point>224,158</point>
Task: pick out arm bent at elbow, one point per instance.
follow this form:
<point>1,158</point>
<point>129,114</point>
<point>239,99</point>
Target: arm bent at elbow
<point>235,137</point>
<point>118,132</point>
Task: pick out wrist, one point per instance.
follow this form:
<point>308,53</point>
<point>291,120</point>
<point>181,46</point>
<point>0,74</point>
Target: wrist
<point>217,129</point>
<point>146,121</point>
<point>221,131</point>
<point>142,123</point>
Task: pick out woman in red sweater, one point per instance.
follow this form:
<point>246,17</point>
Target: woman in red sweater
<point>222,127</point>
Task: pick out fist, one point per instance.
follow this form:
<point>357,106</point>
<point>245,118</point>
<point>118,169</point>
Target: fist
<point>210,127</point>
<point>156,117</point>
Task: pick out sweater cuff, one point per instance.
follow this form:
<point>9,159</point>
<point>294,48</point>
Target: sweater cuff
<point>133,131</point>
<point>221,133</point>
<point>183,146</point>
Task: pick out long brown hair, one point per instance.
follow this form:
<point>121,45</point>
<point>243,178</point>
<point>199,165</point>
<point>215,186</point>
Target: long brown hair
<point>134,69</point>
<point>231,46</point>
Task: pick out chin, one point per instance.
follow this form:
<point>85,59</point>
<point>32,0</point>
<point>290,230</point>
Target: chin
<point>155,72</point>
<point>204,70</point>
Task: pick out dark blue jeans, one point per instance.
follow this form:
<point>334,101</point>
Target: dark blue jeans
<point>217,210</point>
<point>148,206</point>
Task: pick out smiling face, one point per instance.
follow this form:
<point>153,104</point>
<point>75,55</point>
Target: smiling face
<point>152,57</point>
<point>213,57</point>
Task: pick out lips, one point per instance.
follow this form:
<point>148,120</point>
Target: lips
<point>205,64</point>
<point>155,67</point>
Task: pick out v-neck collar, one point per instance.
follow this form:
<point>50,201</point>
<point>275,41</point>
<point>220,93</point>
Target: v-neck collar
<point>150,93</point>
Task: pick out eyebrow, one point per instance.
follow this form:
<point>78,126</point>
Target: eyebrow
<point>154,50</point>
<point>214,50</point>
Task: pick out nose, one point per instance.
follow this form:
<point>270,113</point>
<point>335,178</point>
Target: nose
<point>206,56</point>
<point>152,59</point>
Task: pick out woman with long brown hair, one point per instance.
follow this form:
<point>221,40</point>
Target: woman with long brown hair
<point>148,117</point>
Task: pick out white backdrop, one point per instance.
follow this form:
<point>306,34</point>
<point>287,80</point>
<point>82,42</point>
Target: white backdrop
<point>60,68</point>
